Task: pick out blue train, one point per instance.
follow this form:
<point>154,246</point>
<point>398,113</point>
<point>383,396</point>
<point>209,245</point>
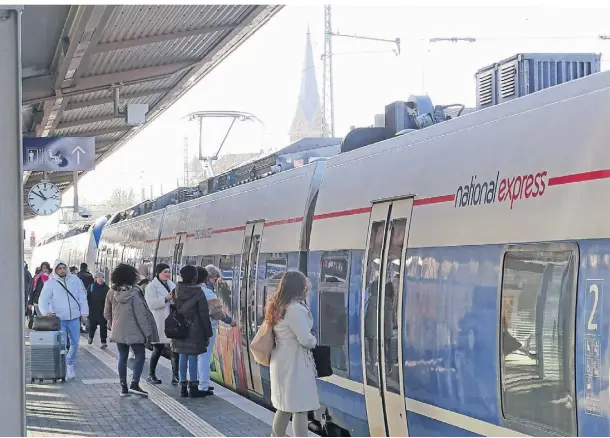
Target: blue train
<point>458,271</point>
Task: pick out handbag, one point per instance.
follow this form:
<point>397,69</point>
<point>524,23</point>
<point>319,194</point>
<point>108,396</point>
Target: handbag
<point>50,323</point>
<point>321,357</point>
<point>263,343</point>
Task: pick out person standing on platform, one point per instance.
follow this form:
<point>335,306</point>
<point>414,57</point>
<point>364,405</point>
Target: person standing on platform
<point>39,280</point>
<point>159,298</point>
<point>216,314</point>
<point>132,324</point>
<point>27,285</point>
<point>190,302</point>
<point>96,297</point>
<point>85,276</point>
<point>64,295</point>
<point>292,369</point>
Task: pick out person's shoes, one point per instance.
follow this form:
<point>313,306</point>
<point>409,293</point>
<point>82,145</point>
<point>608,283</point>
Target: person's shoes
<point>153,379</point>
<point>124,390</point>
<point>184,390</point>
<point>175,380</point>
<point>194,390</point>
<point>134,388</point>
<point>104,345</point>
<point>211,388</point>
<point>90,341</point>
<point>70,373</point>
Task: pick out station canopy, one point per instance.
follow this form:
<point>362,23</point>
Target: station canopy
<point>73,57</point>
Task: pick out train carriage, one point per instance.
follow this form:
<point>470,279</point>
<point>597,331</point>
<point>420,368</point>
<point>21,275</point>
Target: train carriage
<point>251,232</point>
<point>453,231</point>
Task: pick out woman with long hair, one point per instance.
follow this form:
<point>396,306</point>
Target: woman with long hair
<point>292,368</point>
<point>39,280</point>
<point>159,298</point>
<point>132,324</point>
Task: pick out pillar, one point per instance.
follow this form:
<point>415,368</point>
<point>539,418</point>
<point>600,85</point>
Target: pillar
<point>12,361</point>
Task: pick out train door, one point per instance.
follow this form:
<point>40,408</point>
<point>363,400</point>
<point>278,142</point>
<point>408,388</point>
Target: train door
<point>247,305</point>
<point>177,255</point>
<point>381,318</point>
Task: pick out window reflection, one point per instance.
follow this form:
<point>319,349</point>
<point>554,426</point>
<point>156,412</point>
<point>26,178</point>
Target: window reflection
<point>373,270</point>
<point>538,287</point>
<point>333,305</point>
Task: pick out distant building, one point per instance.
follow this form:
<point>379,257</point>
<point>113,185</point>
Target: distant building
<point>307,120</point>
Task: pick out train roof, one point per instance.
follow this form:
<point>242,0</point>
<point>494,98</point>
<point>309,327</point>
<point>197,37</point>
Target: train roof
<point>539,137</point>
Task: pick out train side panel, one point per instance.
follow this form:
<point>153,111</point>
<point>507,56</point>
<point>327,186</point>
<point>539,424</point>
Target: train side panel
<point>132,241</point>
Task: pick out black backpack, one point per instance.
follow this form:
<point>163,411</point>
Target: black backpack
<point>176,325</point>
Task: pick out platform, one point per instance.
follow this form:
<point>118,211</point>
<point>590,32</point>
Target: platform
<point>91,405</point>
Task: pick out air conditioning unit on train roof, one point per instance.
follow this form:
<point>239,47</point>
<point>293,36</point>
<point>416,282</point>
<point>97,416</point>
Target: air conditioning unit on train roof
<point>526,73</point>
<point>401,117</point>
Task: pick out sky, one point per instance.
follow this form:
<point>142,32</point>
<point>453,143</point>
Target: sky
<point>263,77</point>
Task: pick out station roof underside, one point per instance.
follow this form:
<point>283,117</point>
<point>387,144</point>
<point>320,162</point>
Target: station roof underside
<point>74,56</point>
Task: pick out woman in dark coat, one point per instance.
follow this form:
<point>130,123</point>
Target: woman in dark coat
<point>191,303</point>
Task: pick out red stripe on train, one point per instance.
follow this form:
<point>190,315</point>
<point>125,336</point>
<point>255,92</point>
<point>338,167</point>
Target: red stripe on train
<point>228,230</point>
<point>579,177</point>
<point>434,200</point>
<point>294,220</point>
<point>363,210</point>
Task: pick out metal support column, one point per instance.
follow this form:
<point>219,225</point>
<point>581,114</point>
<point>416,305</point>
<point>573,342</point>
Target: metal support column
<point>75,187</point>
<point>12,366</point>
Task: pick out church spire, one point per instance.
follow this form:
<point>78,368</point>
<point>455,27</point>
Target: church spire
<point>307,120</point>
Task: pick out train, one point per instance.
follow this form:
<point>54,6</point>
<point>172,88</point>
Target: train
<point>457,271</point>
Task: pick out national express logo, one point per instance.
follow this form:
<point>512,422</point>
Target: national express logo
<point>506,189</point>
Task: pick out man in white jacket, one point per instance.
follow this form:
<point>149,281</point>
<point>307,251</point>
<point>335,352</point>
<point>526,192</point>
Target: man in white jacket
<point>65,296</point>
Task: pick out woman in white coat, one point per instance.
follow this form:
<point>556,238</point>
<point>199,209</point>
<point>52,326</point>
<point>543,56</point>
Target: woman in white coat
<point>158,294</point>
<point>292,368</point>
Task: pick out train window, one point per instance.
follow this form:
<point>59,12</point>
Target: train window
<point>190,260</point>
<point>390,304</point>
<point>333,305</point>
<point>373,270</point>
<point>207,260</point>
<point>275,265</point>
<point>537,326</point>
<point>224,287</point>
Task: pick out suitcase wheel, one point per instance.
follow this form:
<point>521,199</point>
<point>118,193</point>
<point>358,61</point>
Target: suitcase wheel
<point>54,380</point>
<point>32,381</point>
<point>40,381</point>
<point>63,379</point>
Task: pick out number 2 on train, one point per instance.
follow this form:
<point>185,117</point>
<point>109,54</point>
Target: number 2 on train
<point>593,289</point>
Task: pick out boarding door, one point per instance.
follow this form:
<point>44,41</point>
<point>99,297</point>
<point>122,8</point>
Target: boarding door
<point>177,256</point>
<point>247,305</point>
<point>382,319</point>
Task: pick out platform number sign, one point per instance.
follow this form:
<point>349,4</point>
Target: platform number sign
<point>592,357</point>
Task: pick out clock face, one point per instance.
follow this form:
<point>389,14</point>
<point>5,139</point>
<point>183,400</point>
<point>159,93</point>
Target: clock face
<point>44,198</point>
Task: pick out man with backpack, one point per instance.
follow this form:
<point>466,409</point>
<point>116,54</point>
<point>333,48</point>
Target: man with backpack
<point>96,297</point>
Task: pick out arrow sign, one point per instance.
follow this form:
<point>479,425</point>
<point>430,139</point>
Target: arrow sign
<point>58,154</point>
<point>78,150</point>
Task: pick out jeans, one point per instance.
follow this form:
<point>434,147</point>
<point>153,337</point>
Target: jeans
<point>191,361</point>
<point>138,366</point>
<point>154,358</point>
<point>93,323</point>
<point>72,330</point>
<point>203,365</point>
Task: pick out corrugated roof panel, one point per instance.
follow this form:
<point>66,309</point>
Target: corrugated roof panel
<point>166,82</point>
<point>96,126</point>
<point>162,53</point>
<point>104,109</point>
<point>163,19</point>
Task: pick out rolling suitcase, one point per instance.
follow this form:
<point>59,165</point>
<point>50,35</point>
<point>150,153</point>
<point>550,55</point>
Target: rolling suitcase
<point>47,356</point>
